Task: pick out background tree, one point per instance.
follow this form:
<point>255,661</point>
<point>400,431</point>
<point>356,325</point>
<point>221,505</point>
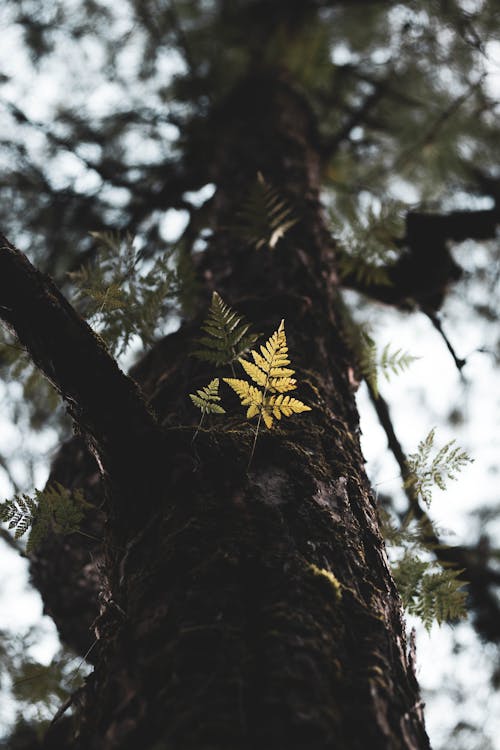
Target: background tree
<point>237,605</point>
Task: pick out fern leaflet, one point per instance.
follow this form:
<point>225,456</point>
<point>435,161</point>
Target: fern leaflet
<point>228,335</point>
<point>368,242</point>
<point>395,362</point>
<point>265,218</point>
<point>207,398</point>
<point>121,295</point>
<point>428,591</point>
<point>425,472</point>
<point>55,509</point>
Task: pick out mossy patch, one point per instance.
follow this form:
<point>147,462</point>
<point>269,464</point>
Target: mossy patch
<point>328,576</point>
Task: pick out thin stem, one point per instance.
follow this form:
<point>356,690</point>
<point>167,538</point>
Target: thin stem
<point>199,427</point>
<point>258,423</point>
<point>254,441</point>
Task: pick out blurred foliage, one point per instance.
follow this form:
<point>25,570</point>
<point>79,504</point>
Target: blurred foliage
<point>38,688</point>
<point>54,509</point>
<point>121,296</point>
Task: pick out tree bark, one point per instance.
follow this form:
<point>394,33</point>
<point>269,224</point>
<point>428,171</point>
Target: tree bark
<point>254,608</point>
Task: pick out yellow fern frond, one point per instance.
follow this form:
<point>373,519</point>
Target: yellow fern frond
<point>240,387</point>
<point>285,405</point>
<point>275,350</point>
<point>249,395</point>
<point>269,369</point>
<point>258,376</point>
<point>206,398</point>
<point>269,372</point>
<point>282,385</point>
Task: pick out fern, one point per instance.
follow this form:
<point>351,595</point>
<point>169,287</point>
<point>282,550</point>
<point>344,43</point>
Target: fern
<point>360,341</point>
<point>39,688</point>
<point>432,593</point>
<point>265,217</point>
<point>120,295</point>
<point>207,398</point>
<point>426,472</point>
<point>228,335</point>
<point>395,362</point>
<point>55,509</point>
<point>368,244</point>
<point>19,513</point>
<point>428,589</point>
<point>271,373</point>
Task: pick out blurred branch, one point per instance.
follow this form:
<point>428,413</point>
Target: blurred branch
<point>11,542</point>
<point>105,404</point>
<point>459,363</point>
<point>421,276</point>
<point>356,118</point>
<point>433,131</point>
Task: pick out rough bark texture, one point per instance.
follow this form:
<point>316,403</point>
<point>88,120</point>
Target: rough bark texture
<point>255,609</point>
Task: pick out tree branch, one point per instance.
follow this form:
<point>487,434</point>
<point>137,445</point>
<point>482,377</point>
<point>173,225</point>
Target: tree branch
<point>426,268</point>
<point>356,118</point>
<point>459,362</point>
<point>106,405</point>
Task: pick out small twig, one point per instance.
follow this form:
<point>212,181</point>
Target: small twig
<point>459,362</point>
<point>428,533</point>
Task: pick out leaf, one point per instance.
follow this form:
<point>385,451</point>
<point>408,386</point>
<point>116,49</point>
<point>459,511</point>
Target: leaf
<point>270,373</point>
<point>265,218</point>
<point>432,593</point>
<point>228,335</point>
<point>368,242</point>
<point>395,362</point>
<point>207,398</point>
<point>425,473</point>
<point>123,297</point>
<point>54,509</point>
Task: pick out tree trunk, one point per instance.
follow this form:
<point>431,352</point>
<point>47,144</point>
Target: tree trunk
<point>254,608</point>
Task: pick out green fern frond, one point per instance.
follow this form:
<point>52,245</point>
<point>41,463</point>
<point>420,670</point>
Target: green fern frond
<point>367,269</point>
<point>359,339</point>
<point>425,473</point>
<point>55,509</point>
<point>265,217</point>
<point>432,593</point>
<point>207,398</point>
<point>368,242</point>
<point>121,296</point>
<point>395,362</point>
<point>18,513</point>
<point>228,335</point>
